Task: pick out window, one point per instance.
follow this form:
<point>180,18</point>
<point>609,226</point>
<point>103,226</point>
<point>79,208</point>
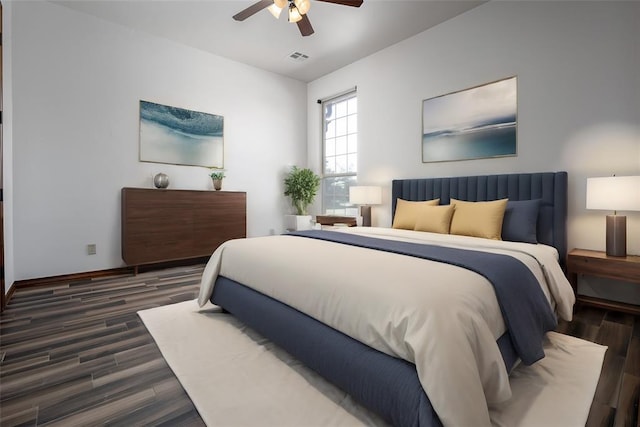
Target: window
<point>340,153</point>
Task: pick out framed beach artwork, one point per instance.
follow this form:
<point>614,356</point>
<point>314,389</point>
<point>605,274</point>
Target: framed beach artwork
<point>474,123</point>
<point>180,137</point>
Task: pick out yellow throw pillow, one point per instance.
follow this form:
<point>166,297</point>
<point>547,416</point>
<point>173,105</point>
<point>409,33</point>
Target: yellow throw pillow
<point>407,212</point>
<point>435,219</point>
<point>478,219</point>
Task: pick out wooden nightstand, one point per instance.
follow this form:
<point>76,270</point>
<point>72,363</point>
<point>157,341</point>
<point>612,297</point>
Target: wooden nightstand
<point>598,264</point>
<point>335,219</point>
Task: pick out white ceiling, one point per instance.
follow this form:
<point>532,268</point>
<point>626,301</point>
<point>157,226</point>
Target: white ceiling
<point>342,34</point>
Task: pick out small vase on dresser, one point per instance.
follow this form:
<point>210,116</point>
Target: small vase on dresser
<point>161,180</point>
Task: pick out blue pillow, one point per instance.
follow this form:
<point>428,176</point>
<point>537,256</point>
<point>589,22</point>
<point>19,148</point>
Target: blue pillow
<point>520,223</point>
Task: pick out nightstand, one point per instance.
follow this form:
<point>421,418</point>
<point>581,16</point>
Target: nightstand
<point>598,264</point>
<point>336,219</point>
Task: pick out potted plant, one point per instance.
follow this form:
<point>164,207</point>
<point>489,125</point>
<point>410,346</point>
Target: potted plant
<point>216,176</point>
<point>301,185</point>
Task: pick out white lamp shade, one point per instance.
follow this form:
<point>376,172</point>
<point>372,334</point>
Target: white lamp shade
<point>614,193</point>
<point>280,3</point>
<point>275,10</point>
<point>365,195</point>
<point>303,6</point>
<point>294,14</point>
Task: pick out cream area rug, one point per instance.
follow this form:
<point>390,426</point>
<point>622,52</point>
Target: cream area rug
<point>235,377</point>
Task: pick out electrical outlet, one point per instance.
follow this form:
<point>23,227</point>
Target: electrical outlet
<point>91,249</point>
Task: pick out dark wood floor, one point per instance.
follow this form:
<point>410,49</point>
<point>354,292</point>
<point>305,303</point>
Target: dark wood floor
<point>76,353</point>
<point>616,399</point>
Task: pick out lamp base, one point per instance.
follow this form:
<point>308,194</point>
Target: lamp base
<point>617,235</point>
<point>365,212</point>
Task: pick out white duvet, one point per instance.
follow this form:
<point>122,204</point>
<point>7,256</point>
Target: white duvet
<point>442,318</point>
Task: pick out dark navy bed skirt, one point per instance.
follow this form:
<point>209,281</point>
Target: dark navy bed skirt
<point>383,384</point>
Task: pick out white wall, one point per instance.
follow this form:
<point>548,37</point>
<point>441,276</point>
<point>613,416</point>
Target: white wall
<point>7,146</point>
<point>578,69</point>
<point>77,82</point>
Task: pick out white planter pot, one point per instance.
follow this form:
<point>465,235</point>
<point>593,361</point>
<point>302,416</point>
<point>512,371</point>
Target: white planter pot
<point>297,222</point>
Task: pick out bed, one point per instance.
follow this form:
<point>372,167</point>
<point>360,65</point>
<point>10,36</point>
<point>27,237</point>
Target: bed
<point>418,339</point>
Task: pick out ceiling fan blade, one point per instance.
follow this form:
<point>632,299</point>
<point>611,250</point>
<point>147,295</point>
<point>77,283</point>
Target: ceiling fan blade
<point>353,3</point>
<point>254,8</point>
<point>304,25</point>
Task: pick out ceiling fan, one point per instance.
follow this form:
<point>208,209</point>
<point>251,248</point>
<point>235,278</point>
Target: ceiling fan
<point>297,11</point>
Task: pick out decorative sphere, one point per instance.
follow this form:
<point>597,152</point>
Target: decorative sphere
<point>161,180</point>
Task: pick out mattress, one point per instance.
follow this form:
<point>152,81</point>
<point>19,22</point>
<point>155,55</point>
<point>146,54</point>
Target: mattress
<point>347,363</point>
<point>379,311</point>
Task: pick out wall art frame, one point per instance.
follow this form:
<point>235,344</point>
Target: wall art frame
<point>473,123</point>
<point>179,136</point>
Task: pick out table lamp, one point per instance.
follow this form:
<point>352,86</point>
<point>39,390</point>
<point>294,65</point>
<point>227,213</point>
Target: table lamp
<point>365,196</point>
<point>615,193</point>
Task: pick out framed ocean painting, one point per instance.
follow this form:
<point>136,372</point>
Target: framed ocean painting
<point>474,123</point>
<point>180,137</point>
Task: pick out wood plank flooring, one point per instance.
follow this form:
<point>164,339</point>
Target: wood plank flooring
<point>616,399</point>
<point>76,353</point>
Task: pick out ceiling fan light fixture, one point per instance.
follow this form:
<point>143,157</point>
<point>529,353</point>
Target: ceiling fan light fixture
<point>294,14</point>
<point>303,6</point>
<point>275,10</point>
<point>280,3</point>
<point>297,11</point>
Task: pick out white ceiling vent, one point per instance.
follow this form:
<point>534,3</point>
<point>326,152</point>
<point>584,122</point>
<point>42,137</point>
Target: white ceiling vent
<point>298,57</point>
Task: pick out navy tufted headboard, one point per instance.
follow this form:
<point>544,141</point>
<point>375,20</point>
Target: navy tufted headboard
<point>550,187</point>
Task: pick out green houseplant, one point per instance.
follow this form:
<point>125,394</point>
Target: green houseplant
<point>216,176</point>
<point>302,186</point>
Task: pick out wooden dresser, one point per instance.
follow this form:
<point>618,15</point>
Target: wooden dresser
<point>161,225</point>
